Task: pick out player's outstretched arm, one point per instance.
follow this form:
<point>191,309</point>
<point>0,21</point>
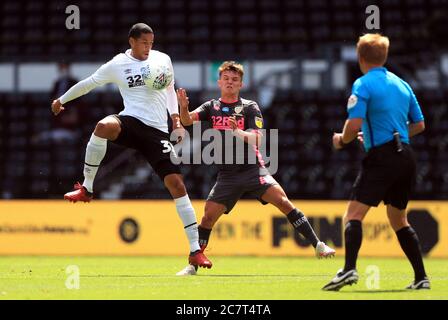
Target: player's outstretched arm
<point>102,76</point>
<point>81,88</point>
<point>186,117</point>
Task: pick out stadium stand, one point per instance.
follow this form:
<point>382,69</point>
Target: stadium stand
<point>308,165</point>
<point>215,30</point>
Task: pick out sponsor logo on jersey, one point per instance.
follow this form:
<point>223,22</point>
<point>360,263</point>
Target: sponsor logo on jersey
<point>259,122</point>
<point>222,123</point>
<point>127,71</point>
<point>225,109</point>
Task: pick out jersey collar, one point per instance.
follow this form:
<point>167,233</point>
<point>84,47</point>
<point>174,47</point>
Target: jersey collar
<point>128,54</point>
<point>232,103</point>
<point>383,69</point>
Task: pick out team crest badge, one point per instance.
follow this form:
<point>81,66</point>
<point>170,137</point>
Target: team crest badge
<point>238,109</point>
<point>352,101</point>
<point>145,72</point>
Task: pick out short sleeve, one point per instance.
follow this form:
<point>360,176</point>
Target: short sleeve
<point>203,111</point>
<point>254,119</point>
<point>415,112</point>
<point>357,102</point>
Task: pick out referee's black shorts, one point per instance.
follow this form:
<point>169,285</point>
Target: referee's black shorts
<point>152,143</point>
<point>386,175</point>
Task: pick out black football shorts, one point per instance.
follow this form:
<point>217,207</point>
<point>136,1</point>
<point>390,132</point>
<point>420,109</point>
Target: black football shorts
<point>152,143</point>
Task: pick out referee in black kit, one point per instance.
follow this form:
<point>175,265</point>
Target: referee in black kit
<point>386,109</point>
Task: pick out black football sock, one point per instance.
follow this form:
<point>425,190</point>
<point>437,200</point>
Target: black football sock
<point>301,224</point>
<point>204,235</point>
<point>353,240</point>
<point>411,246</point>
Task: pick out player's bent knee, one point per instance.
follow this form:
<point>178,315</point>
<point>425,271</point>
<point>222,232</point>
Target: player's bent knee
<point>107,130</point>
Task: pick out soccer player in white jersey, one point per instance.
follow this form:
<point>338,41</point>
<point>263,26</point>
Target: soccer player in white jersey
<point>142,125</point>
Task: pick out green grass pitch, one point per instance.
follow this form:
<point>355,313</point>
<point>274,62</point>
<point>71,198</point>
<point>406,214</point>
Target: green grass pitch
<point>231,278</point>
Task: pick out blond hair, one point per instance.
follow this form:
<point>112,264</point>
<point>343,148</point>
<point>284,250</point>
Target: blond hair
<point>231,66</point>
<point>373,48</point>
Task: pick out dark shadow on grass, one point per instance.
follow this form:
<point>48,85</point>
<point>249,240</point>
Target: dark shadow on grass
<point>254,275</point>
<point>123,276</point>
<point>377,291</point>
<point>199,275</point>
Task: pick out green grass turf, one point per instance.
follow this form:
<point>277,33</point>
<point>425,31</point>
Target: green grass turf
<point>253,278</point>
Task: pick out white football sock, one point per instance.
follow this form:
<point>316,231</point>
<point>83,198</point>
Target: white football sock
<point>188,217</point>
<point>95,152</point>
